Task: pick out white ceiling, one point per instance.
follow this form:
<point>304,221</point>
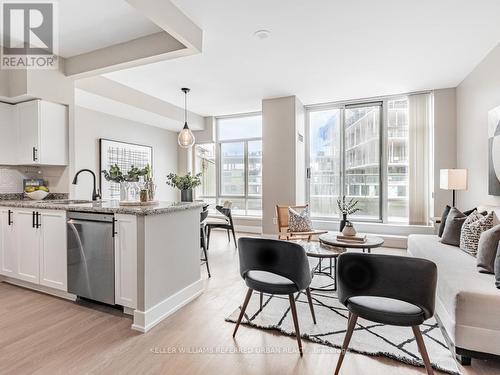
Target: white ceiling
<point>87,25</point>
<point>320,50</point>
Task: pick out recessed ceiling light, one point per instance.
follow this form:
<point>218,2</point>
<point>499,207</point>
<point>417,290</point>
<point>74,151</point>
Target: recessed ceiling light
<point>262,34</point>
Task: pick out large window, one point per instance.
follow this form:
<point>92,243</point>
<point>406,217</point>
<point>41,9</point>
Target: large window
<point>206,165</point>
<point>345,158</point>
<point>235,163</point>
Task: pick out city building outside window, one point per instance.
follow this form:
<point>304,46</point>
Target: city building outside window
<point>232,167</point>
<point>345,158</point>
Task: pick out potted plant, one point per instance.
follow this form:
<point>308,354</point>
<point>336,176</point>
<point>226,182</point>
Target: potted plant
<point>185,184</point>
<point>129,182</point>
<point>346,207</point>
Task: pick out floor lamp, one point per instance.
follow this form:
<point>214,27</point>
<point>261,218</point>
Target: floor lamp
<point>453,179</point>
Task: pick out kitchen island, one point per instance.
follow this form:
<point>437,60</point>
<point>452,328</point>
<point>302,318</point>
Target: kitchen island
<point>156,252</point>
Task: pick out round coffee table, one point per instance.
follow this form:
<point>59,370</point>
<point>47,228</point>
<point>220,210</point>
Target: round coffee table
<point>323,251</point>
<point>371,242</point>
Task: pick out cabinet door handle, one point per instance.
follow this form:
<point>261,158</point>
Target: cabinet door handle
<point>9,218</point>
<point>35,152</point>
<point>33,219</point>
<point>38,225</point>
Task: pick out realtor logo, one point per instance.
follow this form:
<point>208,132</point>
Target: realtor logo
<point>29,35</point>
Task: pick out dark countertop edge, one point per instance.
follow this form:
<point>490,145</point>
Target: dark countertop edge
<point>125,210</point>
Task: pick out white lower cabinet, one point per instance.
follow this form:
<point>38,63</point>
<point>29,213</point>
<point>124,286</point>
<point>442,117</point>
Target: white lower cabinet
<point>8,253</point>
<point>53,254</point>
<point>28,246</point>
<point>33,246</point>
<point>126,260</point>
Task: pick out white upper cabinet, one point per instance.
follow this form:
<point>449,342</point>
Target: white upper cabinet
<point>8,134</point>
<point>42,133</point>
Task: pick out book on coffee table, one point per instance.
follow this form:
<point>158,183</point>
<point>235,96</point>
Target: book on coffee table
<point>357,238</point>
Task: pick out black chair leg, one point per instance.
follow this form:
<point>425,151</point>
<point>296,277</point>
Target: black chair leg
<point>422,350</point>
<point>206,261</point>
<point>234,237</point>
<point>350,329</point>
<point>295,322</point>
<point>209,230</point>
<point>228,237</point>
<point>243,308</point>
<point>261,300</point>
<point>311,307</point>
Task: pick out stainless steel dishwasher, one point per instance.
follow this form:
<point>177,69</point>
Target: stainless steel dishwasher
<point>91,256</point>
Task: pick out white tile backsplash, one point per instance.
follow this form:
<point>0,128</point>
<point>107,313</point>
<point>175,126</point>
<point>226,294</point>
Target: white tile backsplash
<point>11,180</point>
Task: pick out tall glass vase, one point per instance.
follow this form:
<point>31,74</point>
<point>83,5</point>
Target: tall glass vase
<point>129,191</point>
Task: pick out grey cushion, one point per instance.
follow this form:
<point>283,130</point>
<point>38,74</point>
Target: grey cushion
<point>453,227</point>
<point>386,310</point>
<point>497,268</point>
<point>445,215</point>
<point>268,282</point>
<point>487,249</point>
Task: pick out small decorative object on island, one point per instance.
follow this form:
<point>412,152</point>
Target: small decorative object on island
<point>185,184</point>
<point>346,208</point>
<point>130,187</point>
<point>349,229</point>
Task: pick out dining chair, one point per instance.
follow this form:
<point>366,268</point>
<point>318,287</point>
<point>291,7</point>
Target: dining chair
<point>283,231</point>
<point>203,242</point>
<point>387,289</point>
<point>275,267</point>
<point>222,223</point>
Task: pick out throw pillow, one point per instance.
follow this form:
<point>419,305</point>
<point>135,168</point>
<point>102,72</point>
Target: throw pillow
<point>497,268</point>
<point>453,227</point>
<point>487,249</point>
<point>299,221</point>
<point>445,215</point>
<point>472,229</point>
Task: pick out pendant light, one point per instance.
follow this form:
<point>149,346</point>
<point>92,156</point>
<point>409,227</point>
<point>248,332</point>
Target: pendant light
<point>186,137</point>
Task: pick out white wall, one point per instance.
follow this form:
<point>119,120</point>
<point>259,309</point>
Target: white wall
<point>476,95</point>
<point>91,125</point>
<point>281,117</point>
<point>445,142</point>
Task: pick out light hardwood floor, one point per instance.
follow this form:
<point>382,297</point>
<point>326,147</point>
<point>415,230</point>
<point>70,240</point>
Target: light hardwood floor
<point>40,334</point>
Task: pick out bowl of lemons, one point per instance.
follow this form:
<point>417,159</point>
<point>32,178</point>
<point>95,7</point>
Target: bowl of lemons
<point>37,193</point>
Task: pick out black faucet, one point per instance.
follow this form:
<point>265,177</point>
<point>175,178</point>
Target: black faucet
<point>95,193</point>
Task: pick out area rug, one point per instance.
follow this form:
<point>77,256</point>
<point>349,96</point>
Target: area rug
<point>369,338</point>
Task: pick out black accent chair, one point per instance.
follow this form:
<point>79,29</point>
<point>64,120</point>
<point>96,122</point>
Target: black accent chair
<point>275,267</point>
<point>203,242</point>
<point>226,223</point>
<point>387,289</point>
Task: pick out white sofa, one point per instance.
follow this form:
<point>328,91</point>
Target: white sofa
<point>467,302</point>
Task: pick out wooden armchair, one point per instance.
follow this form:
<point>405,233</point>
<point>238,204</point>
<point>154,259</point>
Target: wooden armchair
<point>284,233</point>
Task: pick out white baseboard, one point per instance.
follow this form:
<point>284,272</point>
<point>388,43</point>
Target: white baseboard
<point>38,288</point>
<point>145,320</point>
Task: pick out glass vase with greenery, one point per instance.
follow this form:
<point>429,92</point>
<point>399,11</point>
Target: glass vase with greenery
<point>129,182</point>
<point>185,184</point>
<point>346,207</point>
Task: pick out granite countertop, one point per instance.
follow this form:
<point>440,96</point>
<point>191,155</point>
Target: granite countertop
<point>103,206</point>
